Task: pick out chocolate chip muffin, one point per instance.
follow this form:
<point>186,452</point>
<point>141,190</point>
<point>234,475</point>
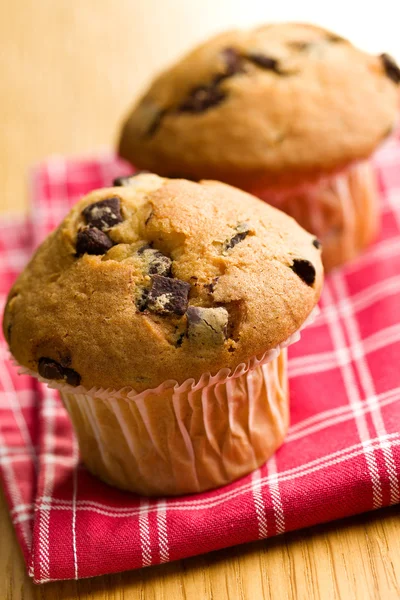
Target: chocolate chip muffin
<point>159,308</point>
<point>290,112</point>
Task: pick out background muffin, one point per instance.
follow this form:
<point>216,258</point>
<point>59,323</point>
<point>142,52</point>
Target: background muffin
<point>290,112</point>
<point>159,308</point>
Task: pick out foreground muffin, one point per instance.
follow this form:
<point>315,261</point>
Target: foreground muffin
<point>290,112</point>
<point>159,309</point>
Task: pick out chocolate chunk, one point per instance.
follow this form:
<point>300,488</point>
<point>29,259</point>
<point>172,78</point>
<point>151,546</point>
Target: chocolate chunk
<point>103,214</point>
<point>391,67</point>
<point>160,264</point>
<point>206,96</point>
<point>91,240</point>
<point>235,240</point>
<point>72,377</point>
<point>180,333</point>
<point>242,232</point>
<point>317,243</point>
<point>304,269</point>
<point>141,299</point>
<point>156,122</point>
<point>233,63</point>
<point>156,262</point>
<point>179,340</point>
<point>210,287</point>
<point>50,369</point>
<point>266,62</point>
<point>202,98</point>
<point>127,180</point>
<point>207,325</point>
<point>168,295</point>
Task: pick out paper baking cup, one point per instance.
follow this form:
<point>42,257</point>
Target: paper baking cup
<point>173,442</point>
<point>342,211</point>
<point>178,439</point>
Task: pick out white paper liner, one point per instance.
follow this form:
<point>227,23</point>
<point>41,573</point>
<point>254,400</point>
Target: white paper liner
<point>341,210</point>
<point>178,443</point>
<point>178,439</point>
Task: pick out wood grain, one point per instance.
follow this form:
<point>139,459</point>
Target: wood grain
<point>354,559</point>
<point>68,73</point>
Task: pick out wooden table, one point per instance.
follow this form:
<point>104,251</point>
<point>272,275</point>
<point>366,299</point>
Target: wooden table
<point>68,73</point>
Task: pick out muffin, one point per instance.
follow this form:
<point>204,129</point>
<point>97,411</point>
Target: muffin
<point>289,112</point>
<point>161,310</point>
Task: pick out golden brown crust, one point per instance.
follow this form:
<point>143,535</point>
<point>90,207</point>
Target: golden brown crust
<point>230,249</point>
<point>321,105</point>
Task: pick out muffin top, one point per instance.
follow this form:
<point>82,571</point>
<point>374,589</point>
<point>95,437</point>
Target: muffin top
<point>161,279</point>
<point>276,106</point>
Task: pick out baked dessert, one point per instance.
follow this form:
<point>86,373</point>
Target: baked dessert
<point>161,310</point>
<point>289,112</point>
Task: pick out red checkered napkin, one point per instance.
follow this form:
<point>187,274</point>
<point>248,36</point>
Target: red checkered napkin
<point>341,456</point>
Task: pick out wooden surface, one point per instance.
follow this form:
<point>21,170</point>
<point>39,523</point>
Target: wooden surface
<point>355,559</point>
<point>68,73</point>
